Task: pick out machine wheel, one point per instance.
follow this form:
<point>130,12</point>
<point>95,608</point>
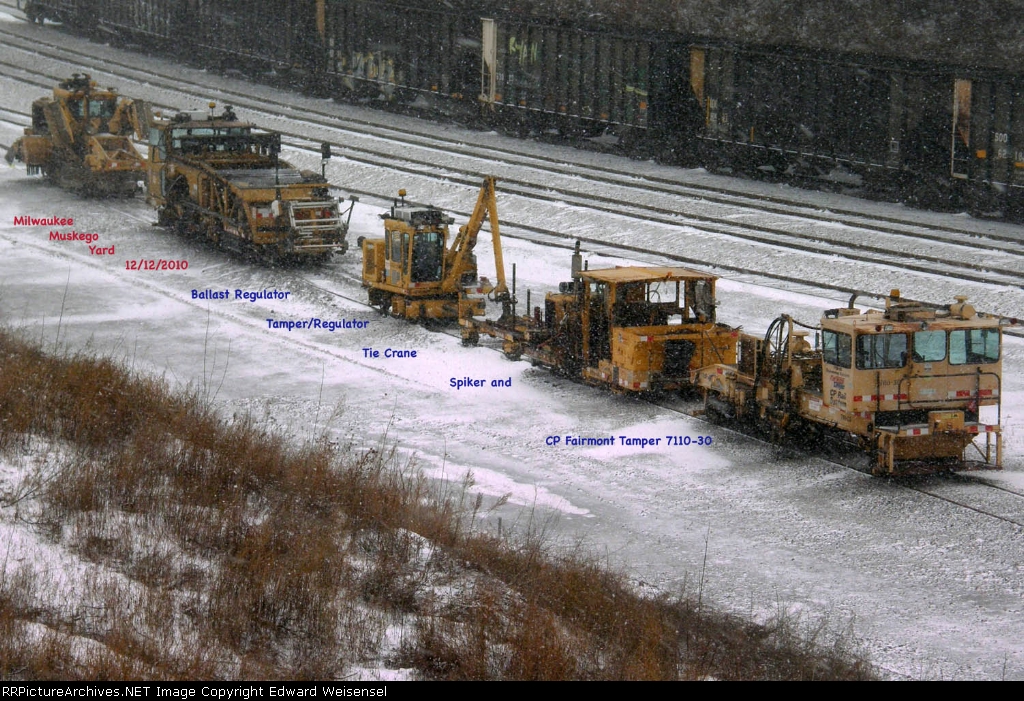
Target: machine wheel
<point>472,339</point>
<point>173,211</point>
<point>778,423</point>
<point>381,301</point>
<point>711,412</point>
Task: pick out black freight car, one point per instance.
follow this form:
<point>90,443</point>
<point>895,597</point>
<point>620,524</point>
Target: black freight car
<point>522,73</point>
<point>394,52</point>
<point>789,111</point>
<point>151,20</point>
<point>571,78</point>
<point>987,151</point>
<point>887,116</point>
<point>79,14</point>
<point>250,35</point>
<point>160,21</point>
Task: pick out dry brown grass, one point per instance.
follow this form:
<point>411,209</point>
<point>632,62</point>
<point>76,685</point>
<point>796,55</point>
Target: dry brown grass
<point>225,552</point>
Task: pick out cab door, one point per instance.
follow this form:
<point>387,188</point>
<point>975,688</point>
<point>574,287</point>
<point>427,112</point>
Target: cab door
<point>396,257</point>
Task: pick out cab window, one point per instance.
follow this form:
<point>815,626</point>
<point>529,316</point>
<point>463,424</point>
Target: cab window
<point>102,108</point>
<point>156,137</point>
<point>883,350</point>
<point>427,257</point>
<point>394,246</point>
<point>836,348</point>
<point>973,346</point>
<point>929,346</point>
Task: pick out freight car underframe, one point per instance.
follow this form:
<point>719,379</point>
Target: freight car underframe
<point>932,189</point>
<point>914,132</point>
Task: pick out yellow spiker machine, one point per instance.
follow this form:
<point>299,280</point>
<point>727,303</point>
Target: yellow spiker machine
<point>80,139</point>
<point>221,178</point>
<point>634,329</point>
<point>910,383</point>
<point>414,274</point>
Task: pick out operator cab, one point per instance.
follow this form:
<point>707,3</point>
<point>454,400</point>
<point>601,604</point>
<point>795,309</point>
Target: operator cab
<point>415,236</point>
<point>910,360</point>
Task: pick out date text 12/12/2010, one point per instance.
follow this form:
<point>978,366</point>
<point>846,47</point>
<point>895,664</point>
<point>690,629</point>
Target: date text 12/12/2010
<point>155,264</point>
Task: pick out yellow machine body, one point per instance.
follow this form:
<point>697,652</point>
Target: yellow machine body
<point>635,329</point>
<point>220,178</point>
<point>80,139</point>
<point>414,273</point>
<point>909,382</point>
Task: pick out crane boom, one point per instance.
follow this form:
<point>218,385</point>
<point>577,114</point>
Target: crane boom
<point>458,259</point>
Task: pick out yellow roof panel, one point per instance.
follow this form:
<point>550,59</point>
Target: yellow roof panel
<point>644,274</point>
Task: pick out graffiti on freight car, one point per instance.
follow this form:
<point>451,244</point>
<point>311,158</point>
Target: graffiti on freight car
<point>372,66</point>
<point>639,92</point>
<point>526,51</point>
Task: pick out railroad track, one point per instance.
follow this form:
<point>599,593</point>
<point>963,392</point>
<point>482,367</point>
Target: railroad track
<point>1014,500</point>
<point>604,172</point>
<point>982,269</point>
<point>557,238</point>
<point>776,235</point>
<point>914,484</point>
<point>1014,497</point>
<point>930,486</point>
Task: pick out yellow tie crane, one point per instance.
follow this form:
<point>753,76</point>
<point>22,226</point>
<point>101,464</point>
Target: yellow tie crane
<point>413,273</point>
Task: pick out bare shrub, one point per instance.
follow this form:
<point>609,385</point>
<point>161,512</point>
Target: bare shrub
<point>232,554</point>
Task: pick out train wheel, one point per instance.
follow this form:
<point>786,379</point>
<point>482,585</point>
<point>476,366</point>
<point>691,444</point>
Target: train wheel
<point>32,14</point>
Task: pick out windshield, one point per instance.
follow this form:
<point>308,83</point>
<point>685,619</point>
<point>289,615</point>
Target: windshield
<point>973,346</point>
<point>427,255</point>
<point>884,350</point>
<point>102,108</point>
